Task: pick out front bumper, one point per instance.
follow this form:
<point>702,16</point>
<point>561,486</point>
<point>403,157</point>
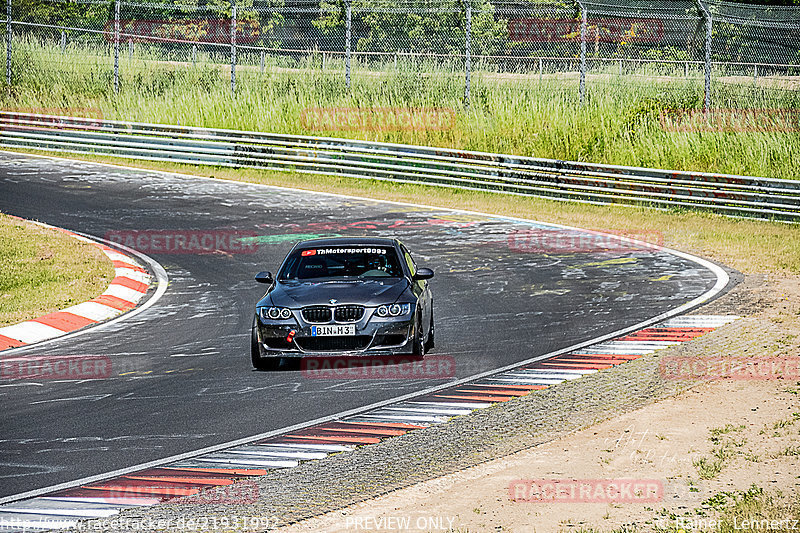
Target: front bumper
<point>374,336</point>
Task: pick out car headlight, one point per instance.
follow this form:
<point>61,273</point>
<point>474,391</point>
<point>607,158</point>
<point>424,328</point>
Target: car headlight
<point>393,310</point>
<point>275,313</point>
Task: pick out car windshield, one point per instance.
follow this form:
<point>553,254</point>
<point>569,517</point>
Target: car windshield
<point>342,262</point>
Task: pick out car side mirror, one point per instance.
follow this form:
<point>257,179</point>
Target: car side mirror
<point>264,277</point>
<point>423,273</point>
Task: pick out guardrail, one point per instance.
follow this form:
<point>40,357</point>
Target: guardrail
<point>740,196</point>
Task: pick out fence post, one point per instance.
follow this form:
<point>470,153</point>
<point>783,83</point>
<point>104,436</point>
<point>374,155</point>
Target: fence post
<point>8,42</point>
<point>262,60</point>
<point>468,52</point>
<point>116,46</point>
<point>348,36</point>
<point>233,49</point>
<point>582,85</point>
<point>707,46</point>
<point>130,49</point>
<point>755,73</point>
<point>63,42</point>
<point>194,55</point>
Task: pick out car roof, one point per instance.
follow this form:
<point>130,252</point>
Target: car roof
<point>347,241</point>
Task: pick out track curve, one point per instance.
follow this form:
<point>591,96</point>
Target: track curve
<point>181,377</point>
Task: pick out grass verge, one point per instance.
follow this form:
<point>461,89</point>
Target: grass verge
<point>749,246</point>
<point>622,121</point>
<point>43,270</point>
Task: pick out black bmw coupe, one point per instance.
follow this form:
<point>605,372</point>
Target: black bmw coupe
<point>356,296</point>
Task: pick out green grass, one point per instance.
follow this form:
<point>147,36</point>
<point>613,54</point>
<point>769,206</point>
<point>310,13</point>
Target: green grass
<point>510,113</point>
<point>43,270</point>
<point>725,447</point>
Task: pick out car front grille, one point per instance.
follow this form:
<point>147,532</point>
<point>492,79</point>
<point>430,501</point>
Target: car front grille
<point>317,314</point>
<point>320,314</point>
<point>333,344</point>
<point>348,313</point>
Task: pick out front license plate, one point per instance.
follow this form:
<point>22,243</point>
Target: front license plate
<point>333,331</point>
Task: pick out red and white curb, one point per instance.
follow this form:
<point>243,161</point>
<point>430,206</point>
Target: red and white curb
<point>129,286</point>
<point>215,470</point>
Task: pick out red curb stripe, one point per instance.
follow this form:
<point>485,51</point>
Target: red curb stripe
<point>168,472</point>
<point>680,337</point>
<point>365,431</point>
<point>684,331</point>
<point>493,391</point>
<point>64,321</point>
<point>137,286</point>
<point>625,356</point>
<point>131,266</point>
<point>382,424</point>
<point>90,493</point>
<point>575,366</point>
<point>512,387</point>
<point>158,491</point>
<point>187,480</point>
<point>490,399</point>
<point>8,342</point>
<point>587,360</point>
<point>227,471</point>
<point>113,301</point>
<point>336,439</point>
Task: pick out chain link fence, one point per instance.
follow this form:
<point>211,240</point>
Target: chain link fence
<point>581,43</point>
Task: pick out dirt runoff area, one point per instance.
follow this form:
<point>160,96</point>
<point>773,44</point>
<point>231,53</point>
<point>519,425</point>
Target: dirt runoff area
<point>676,465</point>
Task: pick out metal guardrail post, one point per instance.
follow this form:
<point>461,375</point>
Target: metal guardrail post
<point>582,84</point>
<point>8,42</point>
<point>348,37</point>
<point>707,49</point>
<point>233,49</point>
<point>116,46</point>
<point>468,57</point>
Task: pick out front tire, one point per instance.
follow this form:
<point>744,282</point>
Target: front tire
<point>430,343</point>
<point>418,348</point>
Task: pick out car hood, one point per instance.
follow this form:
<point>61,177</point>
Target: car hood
<point>362,292</point>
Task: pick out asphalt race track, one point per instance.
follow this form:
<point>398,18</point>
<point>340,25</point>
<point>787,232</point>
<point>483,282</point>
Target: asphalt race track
<point>181,377</point>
